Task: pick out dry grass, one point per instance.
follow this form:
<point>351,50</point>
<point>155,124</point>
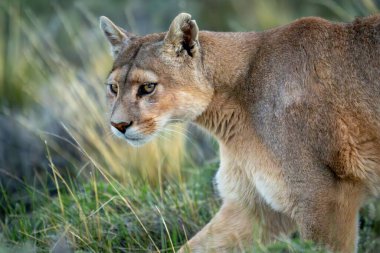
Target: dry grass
<point>74,94</point>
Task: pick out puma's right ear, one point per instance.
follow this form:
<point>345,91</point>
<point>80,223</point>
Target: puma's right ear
<point>116,36</point>
<point>183,34</point>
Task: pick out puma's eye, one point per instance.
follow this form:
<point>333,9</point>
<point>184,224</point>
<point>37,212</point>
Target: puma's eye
<point>114,88</point>
<point>146,88</point>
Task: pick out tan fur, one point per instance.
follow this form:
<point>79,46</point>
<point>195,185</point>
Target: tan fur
<point>295,110</point>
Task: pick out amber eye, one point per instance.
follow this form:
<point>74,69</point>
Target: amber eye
<point>113,88</point>
<point>146,88</point>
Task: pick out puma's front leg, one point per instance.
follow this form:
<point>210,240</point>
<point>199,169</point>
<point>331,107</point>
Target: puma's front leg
<point>229,230</point>
<point>331,218</point>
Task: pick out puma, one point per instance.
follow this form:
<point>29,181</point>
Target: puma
<point>295,109</point>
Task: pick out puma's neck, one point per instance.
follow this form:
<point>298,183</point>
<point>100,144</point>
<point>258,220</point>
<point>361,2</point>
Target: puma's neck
<point>226,61</point>
<point>223,119</point>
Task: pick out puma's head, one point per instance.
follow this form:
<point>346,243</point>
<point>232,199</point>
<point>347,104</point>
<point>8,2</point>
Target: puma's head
<point>155,79</point>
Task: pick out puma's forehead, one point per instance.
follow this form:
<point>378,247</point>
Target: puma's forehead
<point>131,50</point>
<point>130,64</point>
<point>135,75</point>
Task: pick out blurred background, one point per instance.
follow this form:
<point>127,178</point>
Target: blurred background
<point>53,63</point>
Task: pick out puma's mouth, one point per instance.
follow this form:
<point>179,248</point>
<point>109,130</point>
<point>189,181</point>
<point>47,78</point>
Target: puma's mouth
<point>135,139</point>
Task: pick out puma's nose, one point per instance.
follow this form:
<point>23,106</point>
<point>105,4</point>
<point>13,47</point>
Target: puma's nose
<point>121,126</point>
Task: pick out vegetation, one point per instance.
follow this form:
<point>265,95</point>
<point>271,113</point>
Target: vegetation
<point>86,191</point>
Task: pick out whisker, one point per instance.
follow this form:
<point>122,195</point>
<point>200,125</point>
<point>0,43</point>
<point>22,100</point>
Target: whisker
<point>180,133</point>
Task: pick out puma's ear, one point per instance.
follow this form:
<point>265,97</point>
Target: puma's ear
<point>183,34</point>
<point>115,35</point>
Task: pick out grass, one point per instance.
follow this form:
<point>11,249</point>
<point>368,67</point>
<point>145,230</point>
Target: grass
<point>119,199</point>
<point>102,215</point>
<point>97,213</point>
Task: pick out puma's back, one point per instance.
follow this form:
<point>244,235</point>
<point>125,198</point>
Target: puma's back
<point>317,89</point>
<point>295,110</point>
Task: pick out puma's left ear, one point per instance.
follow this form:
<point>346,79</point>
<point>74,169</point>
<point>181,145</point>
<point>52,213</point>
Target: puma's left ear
<point>183,35</point>
<point>116,36</point>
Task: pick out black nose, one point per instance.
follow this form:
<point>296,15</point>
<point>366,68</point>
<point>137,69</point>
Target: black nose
<point>121,126</point>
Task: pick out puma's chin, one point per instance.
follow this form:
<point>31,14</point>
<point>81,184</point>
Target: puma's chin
<point>137,142</point>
